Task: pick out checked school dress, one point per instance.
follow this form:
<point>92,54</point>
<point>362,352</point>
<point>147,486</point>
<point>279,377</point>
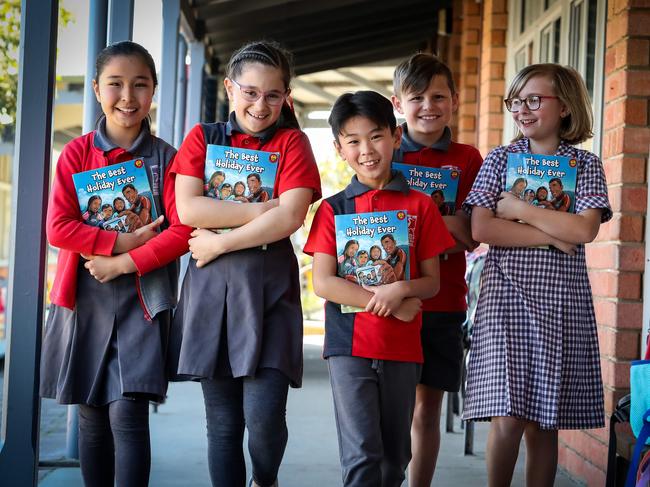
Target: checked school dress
<point>534,351</point>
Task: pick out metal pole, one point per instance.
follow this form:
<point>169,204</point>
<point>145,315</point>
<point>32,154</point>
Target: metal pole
<point>27,260</point>
<point>181,93</point>
<point>96,42</point>
<point>171,14</point>
<point>120,21</point>
<point>195,84</point>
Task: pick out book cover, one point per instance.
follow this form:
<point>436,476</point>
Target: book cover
<point>439,183</point>
<point>241,175</point>
<point>547,182</point>
<point>116,197</point>
<point>372,248</point>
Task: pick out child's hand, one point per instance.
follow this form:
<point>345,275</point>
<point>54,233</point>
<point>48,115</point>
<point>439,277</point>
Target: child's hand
<point>106,269</point>
<point>147,232</point>
<point>566,247</point>
<point>509,207</point>
<point>385,299</point>
<point>461,232</point>
<point>408,309</point>
<point>205,246</point>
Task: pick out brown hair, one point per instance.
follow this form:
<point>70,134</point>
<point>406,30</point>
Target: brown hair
<point>269,53</point>
<point>415,74</point>
<point>570,88</point>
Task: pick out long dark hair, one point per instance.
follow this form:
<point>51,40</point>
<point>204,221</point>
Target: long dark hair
<point>269,53</point>
<point>125,48</point>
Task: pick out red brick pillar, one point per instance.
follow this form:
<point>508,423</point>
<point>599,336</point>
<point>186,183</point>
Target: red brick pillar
<point>616,259</point>
<point>492,72</point>
<point>467,81</point>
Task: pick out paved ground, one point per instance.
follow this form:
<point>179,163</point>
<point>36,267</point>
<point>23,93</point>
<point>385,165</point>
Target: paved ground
<point>311,459</point>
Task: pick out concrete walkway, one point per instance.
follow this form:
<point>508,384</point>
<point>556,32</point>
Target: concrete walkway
<point>311,459</point>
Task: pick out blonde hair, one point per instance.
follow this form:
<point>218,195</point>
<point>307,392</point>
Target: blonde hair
<point>570,88</point>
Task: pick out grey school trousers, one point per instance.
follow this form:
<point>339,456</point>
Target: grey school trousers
<point>373,404</point>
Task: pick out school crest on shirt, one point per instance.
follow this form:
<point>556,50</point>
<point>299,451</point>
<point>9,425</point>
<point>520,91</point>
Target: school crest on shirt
<point>411,221</point>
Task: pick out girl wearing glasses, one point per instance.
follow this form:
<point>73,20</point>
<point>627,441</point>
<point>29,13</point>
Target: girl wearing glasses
<point>534,367</point>
<point>238,333</point>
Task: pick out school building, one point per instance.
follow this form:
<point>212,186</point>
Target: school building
<point>344,45</point>
<point>609,43</point>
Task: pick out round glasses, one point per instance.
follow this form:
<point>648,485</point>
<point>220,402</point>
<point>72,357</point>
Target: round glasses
<point>272,98</point>
<point>532,102</point>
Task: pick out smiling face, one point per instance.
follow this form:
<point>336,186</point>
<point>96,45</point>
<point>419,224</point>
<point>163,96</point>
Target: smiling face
<point>130,194</point>
<point>556,188</point>
<point>94,205</point>
<point>541,126</point>
<point>255,117</point>
<point>124,90</point>
<point>118,204</point>
<point>226,191</point>
<point>352,250</point>
<point>427,113</point>
<point>368,149</point>
<point>388,244</point>
<point>363,258</point>
<point>240,189</point>
<point>375,253</point>
<point>107,212</point>
<point>542,194</point>
<point>253,184</point>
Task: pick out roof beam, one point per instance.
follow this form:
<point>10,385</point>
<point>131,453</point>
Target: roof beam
<point>314,90</point>
<point>361,81</point>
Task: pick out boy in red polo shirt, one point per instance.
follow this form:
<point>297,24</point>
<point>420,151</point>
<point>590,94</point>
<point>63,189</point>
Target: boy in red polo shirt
<point>374,355</point>
<point>426,96</point>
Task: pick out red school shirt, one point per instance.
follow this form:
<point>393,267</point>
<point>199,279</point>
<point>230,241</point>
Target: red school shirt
<point>364,334</point>
<point>297,167</point>
<point>65,226</point>
<point>467,160</point>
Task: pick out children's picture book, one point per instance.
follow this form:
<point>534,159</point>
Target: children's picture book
<point>116,197</point>
<point>439,183</point>
<point>548,182</point>
<point>241,175</point>
<point>372,248</point>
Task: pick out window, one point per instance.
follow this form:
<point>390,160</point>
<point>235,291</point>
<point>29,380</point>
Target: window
<point>559,31</point>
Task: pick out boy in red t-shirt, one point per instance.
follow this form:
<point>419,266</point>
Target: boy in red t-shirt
<point>374,356</point>
<point>426,96</point>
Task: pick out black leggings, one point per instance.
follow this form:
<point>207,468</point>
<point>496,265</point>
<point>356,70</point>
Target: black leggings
<point>114,444</point>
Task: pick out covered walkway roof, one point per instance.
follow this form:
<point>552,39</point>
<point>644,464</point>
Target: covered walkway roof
<point>330,40</point>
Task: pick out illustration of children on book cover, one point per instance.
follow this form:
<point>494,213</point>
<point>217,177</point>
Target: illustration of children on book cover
<point>241,175</point>
<point>439,183</point>
<point>372,248</point>
<point>547,182</point>
<point>116,197</point>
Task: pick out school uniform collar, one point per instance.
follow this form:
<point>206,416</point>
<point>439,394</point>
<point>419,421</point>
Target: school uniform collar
<point>397,183</point>
<point>410,145</point>
<point>263,136</point>
<point>142,145</point>
<point>523,145</point>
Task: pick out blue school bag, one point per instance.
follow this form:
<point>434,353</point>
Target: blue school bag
<point>639,412</point>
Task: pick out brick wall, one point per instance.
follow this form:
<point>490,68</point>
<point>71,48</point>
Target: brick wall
<point>492,71</point>
<point>616,259</point>
<point>468,15</point>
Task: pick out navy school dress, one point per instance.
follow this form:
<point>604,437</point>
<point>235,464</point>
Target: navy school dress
<point>105,348</point>
<point>242,311</point>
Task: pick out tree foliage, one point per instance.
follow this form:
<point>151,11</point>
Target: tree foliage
<point>9,47</point>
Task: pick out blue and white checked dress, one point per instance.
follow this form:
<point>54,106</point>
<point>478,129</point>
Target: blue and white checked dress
<point>534,351</point>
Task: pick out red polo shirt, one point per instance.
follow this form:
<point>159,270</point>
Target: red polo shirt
<point>467,160</point>
<point>365,334</point>
<point>297,167</point>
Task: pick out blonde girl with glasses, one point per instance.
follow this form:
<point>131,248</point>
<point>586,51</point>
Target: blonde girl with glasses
<point>534,367</point>
<point>238,325</point>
